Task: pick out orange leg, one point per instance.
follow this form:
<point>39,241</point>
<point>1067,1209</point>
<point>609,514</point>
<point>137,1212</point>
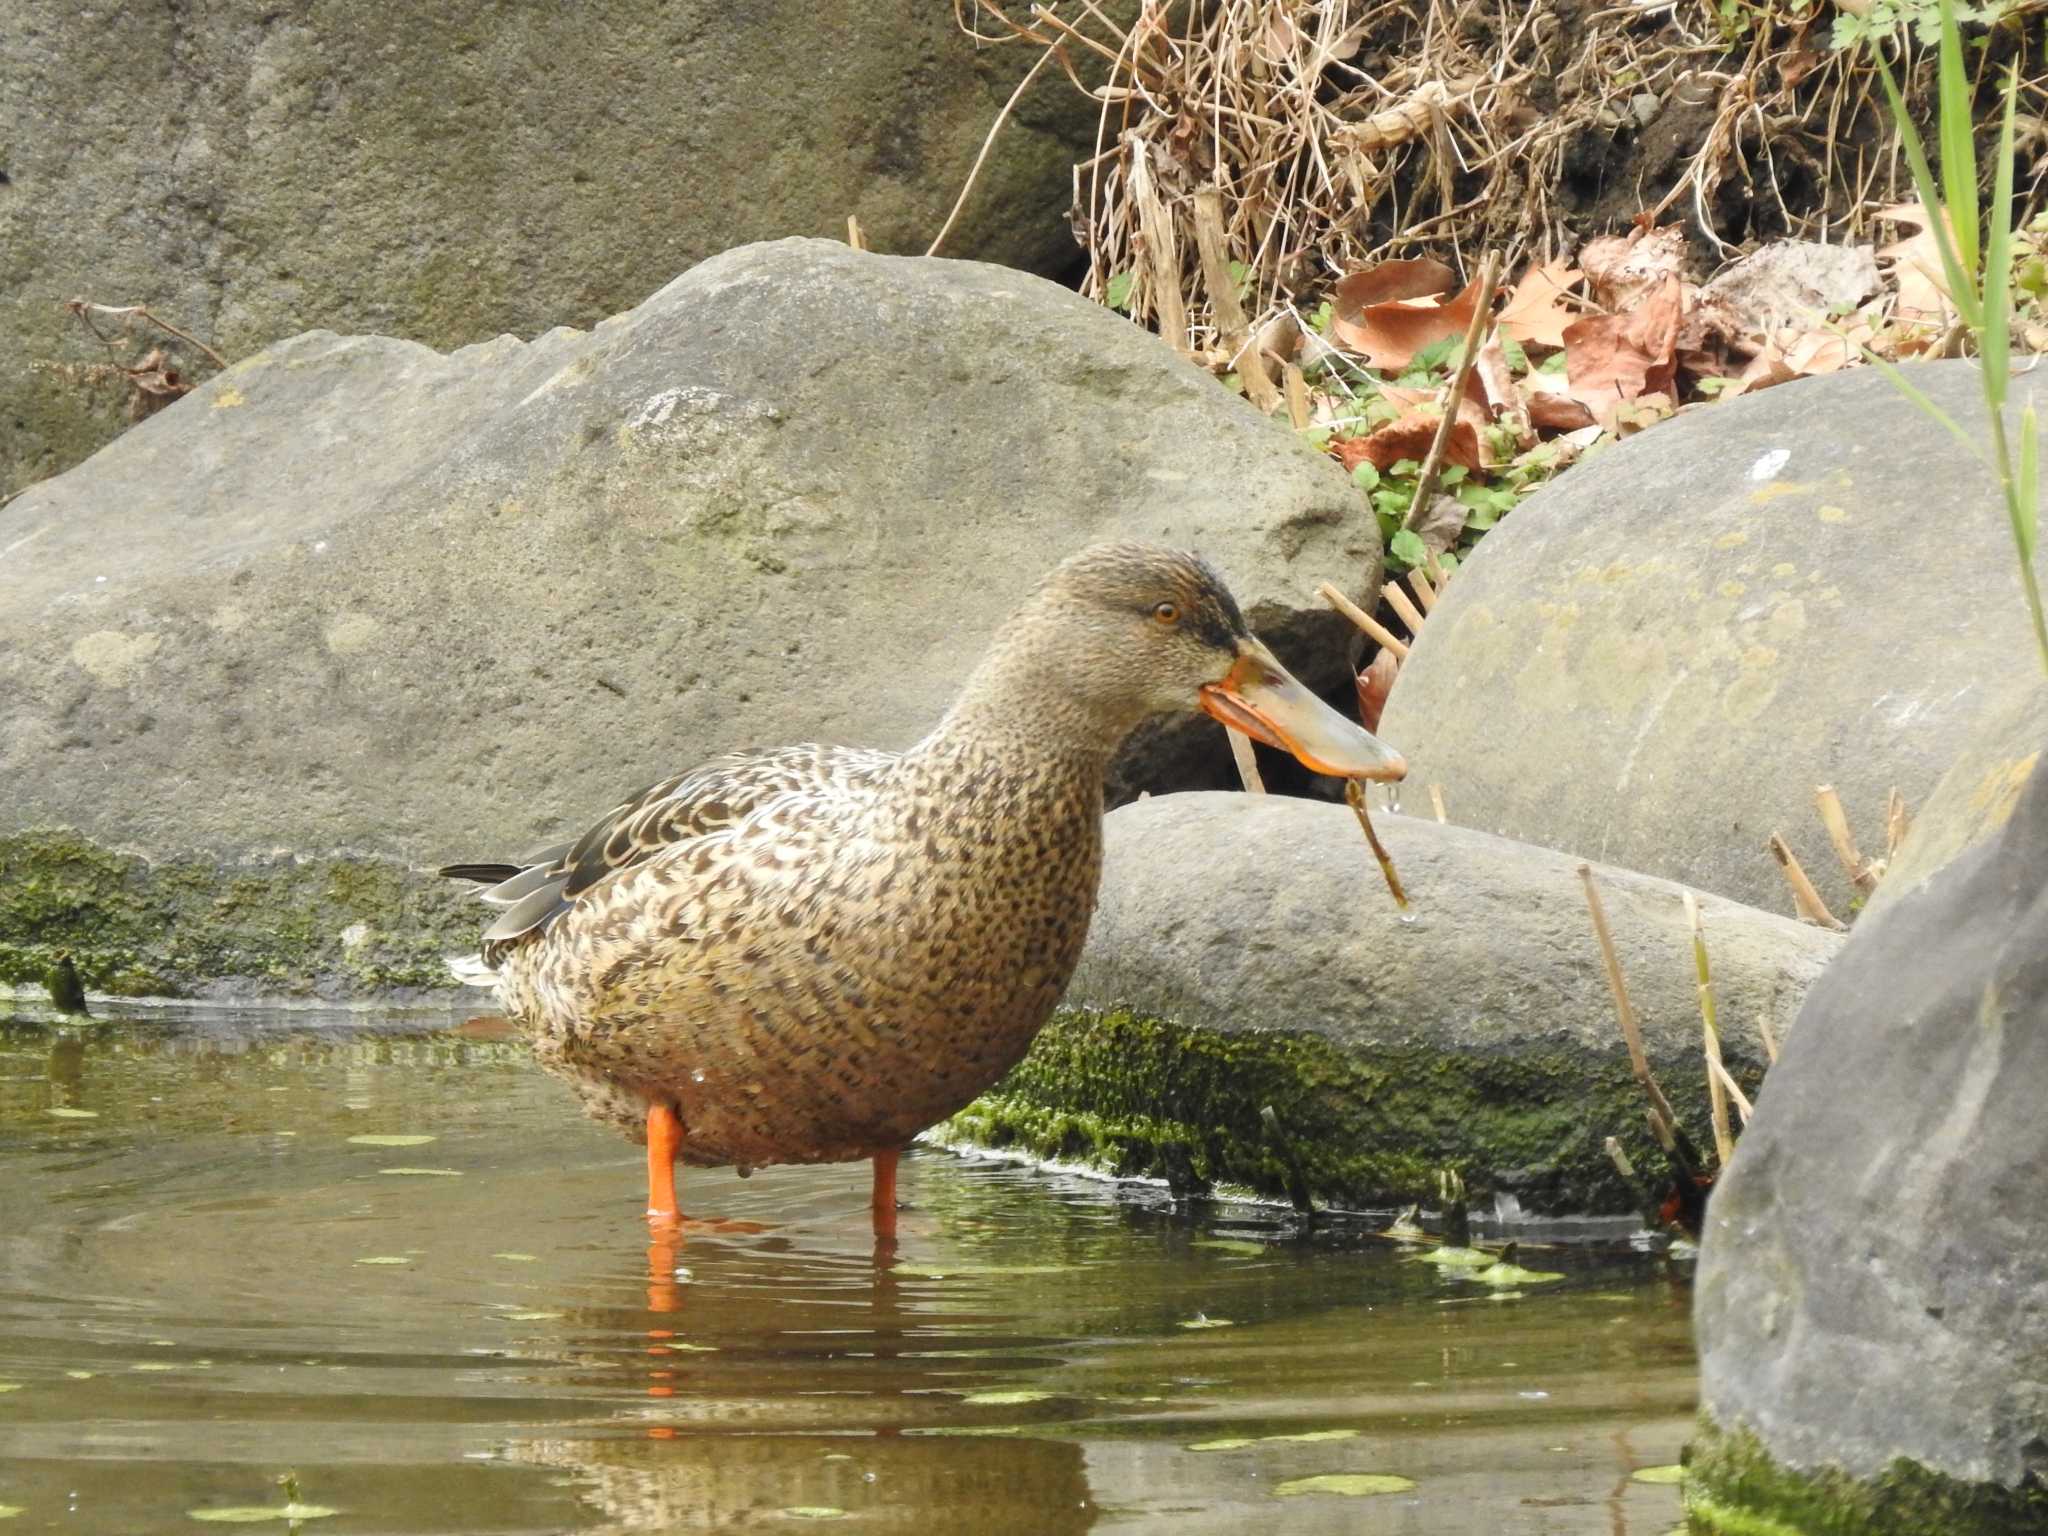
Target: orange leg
<point>884,1202</point>
<point>664,1141</point>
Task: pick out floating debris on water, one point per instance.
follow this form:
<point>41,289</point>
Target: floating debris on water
<point>1457,1258</point>
<point>61,1113</point>
<point>1673,1473</point>
<point>1008,1397</point>
<point>385,1258</point>
<point>1199,1321</point>
<point>1232,1245</point>
<point>249,1514</point>
<point>814,1512</point>
<point>516,1258</point>
<point>391,1141</point>
<point>1352,1485</point>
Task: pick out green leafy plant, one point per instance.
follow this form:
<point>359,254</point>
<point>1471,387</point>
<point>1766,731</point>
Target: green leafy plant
<point>1976,260</point>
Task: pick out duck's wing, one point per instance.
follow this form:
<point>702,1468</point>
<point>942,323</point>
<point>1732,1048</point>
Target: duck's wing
<point>718,794</point>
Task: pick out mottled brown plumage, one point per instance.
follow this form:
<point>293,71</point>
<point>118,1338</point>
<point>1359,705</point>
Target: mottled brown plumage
<point>811,955</point>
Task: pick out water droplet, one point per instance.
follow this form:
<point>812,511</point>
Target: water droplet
<point>1408,919</point>
<point>696,1077</point>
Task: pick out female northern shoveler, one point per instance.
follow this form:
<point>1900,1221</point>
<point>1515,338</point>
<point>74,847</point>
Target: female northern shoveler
<point>811,955</point>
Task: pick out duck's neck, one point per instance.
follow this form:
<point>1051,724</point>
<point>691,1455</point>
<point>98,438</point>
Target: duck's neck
<point>1028,708</point>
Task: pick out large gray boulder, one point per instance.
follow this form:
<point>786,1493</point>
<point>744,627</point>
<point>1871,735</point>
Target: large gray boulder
<point>1658,657</point>
<point>447,172</point>
<point>1872,1307</point>
<point>1246,953</point>
<point>359,597</point>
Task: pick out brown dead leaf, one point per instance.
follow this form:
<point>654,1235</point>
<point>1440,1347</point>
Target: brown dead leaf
<point>1632,416</point>
<point>1558,413</point>
<point>1443,524</point>
<point>1536,312</point>
<point>1611,358</point>
<point>1768,367</point>
<point>1409,437</point>
<point>1917,270</point>
<point>1375,683</point>
<point>1496,379</point>
<point>1622,269</point>
<point>1390,312</point>
<point>1824,350</point>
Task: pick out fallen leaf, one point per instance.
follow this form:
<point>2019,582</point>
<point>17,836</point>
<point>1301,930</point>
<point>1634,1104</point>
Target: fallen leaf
<point>1390,312</point>
<point>1621,269</point>
<point>1536,311</point>
<point>1409,437</point>
<point>1611,358</point>
<point>1375,683</point>
<point>1440,527</point>
<point>1916,269</point>
<point>1496,379</point>
<point>1558,412</point>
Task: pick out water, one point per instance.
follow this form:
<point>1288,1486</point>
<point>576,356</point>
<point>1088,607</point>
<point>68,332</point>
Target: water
<point>187,1307</point>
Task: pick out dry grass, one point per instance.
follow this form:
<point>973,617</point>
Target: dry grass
<point>1337,132</point>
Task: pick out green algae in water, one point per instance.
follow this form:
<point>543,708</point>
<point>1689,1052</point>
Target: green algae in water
<point>1456,1258</point>
<point>1501,1276</point>
<point>1350,1485</point>
<point>390,1141</point>
<point>10,1386</point>
<point>1673,1473</point>
<point>1307,1437</point>
<point>249,1514</point>
<point>1232,1245</point>
<point>9,1511</point>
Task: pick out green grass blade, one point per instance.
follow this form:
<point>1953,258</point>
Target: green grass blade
<point>1912,392</point>
<point>1996,339</point>
<point>1958,149</point>
<point>1962,286</point>
<point>2026,513</point>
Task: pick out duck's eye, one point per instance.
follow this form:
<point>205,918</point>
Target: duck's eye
<point>1166,613</point>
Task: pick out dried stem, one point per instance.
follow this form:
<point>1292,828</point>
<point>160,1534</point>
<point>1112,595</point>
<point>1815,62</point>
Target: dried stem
<point>85,309</point>
<point>987,144</point>
<point>1247,764</point>
<point>1717,1093</point>
<point>1638,1058</point>
<point>1399,601</point>
<point>1372,628</point>
<point>1436,803</point>
<point>1836,820</point>
<point>1432,463</point>
<point>1805,899</point>
<point>1354,796</point>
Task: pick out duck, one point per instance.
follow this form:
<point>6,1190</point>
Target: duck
<point>813,954</point>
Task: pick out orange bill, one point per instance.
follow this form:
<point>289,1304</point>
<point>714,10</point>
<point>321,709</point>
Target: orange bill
<point>1259,697</point>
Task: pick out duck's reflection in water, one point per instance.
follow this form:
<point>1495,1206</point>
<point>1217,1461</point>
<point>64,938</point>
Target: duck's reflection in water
<point>781,1377</point>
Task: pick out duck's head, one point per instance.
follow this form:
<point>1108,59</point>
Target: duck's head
<point>1154,631</point>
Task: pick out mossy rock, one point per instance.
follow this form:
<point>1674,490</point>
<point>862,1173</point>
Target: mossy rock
<point>1245,955</point>
<point>1734,1487</point>
<point>193,926</point>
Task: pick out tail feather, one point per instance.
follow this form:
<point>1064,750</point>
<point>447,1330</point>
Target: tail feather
<point>472,970</point>
<point>483,874</point>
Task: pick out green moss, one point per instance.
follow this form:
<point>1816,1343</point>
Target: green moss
<point>1734,1487</point>
<point>1365,1124</point>
<point>335,927</point>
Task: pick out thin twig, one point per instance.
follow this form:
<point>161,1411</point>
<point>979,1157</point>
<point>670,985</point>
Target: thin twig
<point>85,309</point>
<point>1432,464</point>
<point>1247,764</point>
<point>1403,605</point>
<point>1836,820</point>
<point>1354,796</point>
<point>1372,628</point>
<point>1638,1058</point>
<point>987,144</point>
